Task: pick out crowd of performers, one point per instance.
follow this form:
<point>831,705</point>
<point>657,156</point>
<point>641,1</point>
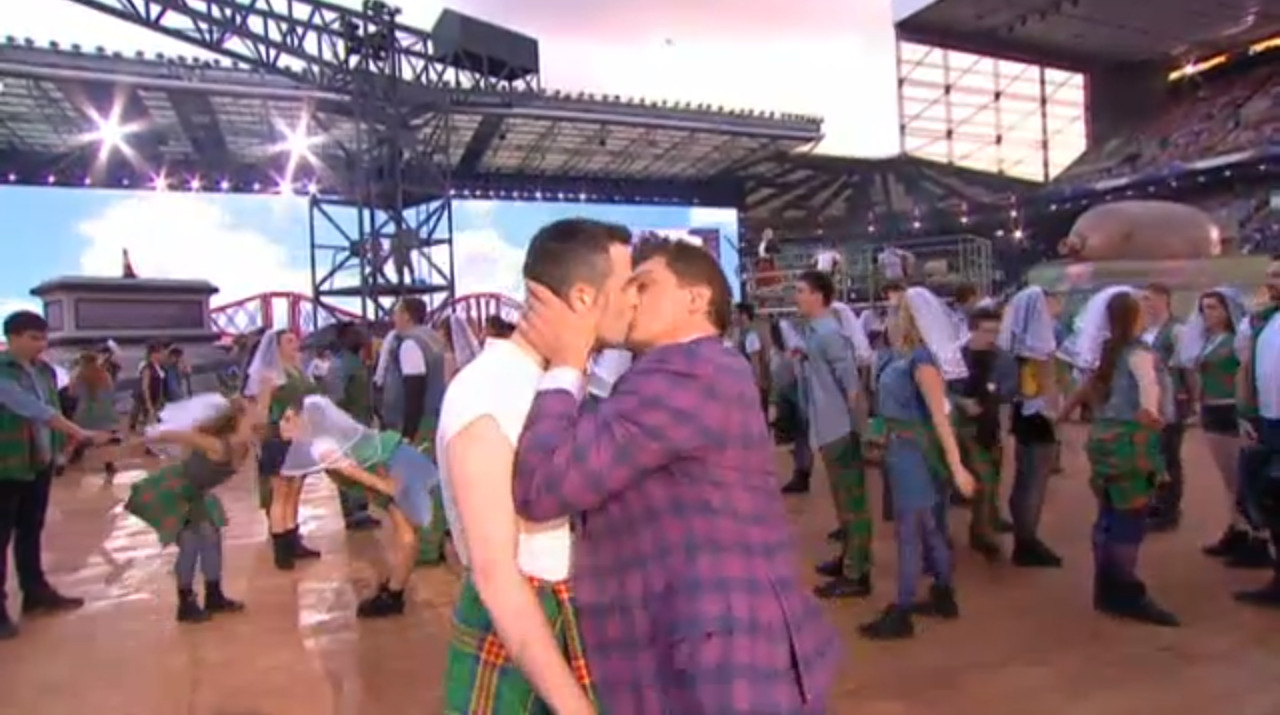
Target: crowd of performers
<point>609,482</point>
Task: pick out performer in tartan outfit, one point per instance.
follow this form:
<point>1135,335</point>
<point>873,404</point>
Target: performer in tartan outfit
<point>1161,333</point>
<point>1208,349</point>
<point>215,436</point>
<point>921,457</point>
<point>1027,333</point>
<point>397,477</point>
<point>275,380</point>
<point>1132,397</point>
<point>834,405</point>
<point>992,379</point>
<point>1258,389</point>
<point>411,375</point>
<point>32,431</point>
<point>349,385</point>
<point>684,570</point>
<point>516,647</point>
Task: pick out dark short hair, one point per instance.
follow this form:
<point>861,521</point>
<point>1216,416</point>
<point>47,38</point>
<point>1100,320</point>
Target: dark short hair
<point>565,253</point>
<point>499,327</point>
<point>821,283</point>
<point>893,287</point>
<point>965,292</point>
<point>693,266</point>
<point>415,308</point>
<point>154,348</point>
<point>983,315</point>
<point>1159,289</point>
<point>175,352</point>
<point>746,310</point>
<point>25,321</point>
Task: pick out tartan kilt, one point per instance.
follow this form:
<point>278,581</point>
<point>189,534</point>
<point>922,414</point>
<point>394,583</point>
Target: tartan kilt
<point>480,678</point>
<point>163,500</point>
<point>926,439</point>
<point>1125,459</point>
<point>873,441</point>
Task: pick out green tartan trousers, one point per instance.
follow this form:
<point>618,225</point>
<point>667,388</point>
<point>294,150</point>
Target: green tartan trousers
<point>847,477</point>
<point>984,464</point>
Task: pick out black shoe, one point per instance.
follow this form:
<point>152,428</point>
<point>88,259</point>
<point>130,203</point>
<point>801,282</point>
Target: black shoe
<point>364,521</point>
<point>893,623</point>
<point>1034,554</point>
<point>46,600</point>
<point>189,610</point>
<point>383,604</point>
<point>1253,553</point>
<point>836,534</point>
<point>831,568</point>
<point>215,601</point>
<point>843,587</point>
<point>1266,597</point>
<point>941,603</point>
<point>799,484</point>
<point>1003,526</point>
<point>986,546</point>
<point>301,551</point>
<point>1233,538</point>
<point>8,629</point>
<point>283,551</point>
<point>1129,601</point>
<point>1162,521</point>
<point>959,500</point>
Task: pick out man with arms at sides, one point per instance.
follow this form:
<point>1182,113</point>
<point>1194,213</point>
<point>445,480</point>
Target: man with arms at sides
<point>684,566</point>
<point>1161,335</point>
<point>515,600</point>
<point>411,372</point>
<point>32,429</point>
<point>832,398</point>
<point>1258,392</point>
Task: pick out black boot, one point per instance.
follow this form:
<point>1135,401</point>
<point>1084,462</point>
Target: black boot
<point>844,587</point>
<point>109,471</point>
<point>893,623</point>
<point>1003,526</point>
<point>8,629</point>
<point>301,551</point>
<point>799,483</point>
<point>283,551</point>
<point>1253,553</point>
<point>383,604</point>
<point>1227,544</point>
<point>362,521</point>
<point>215,601</point>
<point>1034,553</point>
<point>836,534</point>
<point>1128,600</point>
<point>45,599</point>
<point>831,568</point>
<point>189,610</point>
<point>1266,597</point>
<point>941,603</point>
<point>986,546</point>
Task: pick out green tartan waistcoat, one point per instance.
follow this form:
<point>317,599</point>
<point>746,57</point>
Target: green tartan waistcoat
<point>18,452</point>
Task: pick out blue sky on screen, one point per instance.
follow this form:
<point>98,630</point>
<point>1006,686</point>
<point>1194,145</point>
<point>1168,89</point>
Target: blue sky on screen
<point>252,244</point>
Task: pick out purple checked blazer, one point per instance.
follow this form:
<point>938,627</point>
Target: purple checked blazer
<point>684,570</point>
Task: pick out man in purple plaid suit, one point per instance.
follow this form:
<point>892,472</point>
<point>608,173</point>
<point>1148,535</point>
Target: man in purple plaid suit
<point>684,570</point>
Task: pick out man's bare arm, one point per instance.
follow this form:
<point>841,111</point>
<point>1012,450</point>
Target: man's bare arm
<point>480,460</point>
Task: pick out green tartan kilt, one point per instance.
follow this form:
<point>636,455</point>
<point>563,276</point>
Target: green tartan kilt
<point>873,441</point>
<point>1125,459</point>
<point>163,500</point>
<point>480,678</point>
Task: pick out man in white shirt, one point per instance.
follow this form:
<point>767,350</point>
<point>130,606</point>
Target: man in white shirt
<point>894,263</point>
<point>1258,392</point>
<point>318,368</point>
<point>515,639</point>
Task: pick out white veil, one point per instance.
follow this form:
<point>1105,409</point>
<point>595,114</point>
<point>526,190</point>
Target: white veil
<point>1193,337</point>
<point>852,330</point>
<point>937,327</point>
<point>466,346</point>
<point>184,416</point>
<point>1026,330</point>
<point>1084,348</point>
<point>791,339</point>
<point>266,368</point>
<point>327,437</point>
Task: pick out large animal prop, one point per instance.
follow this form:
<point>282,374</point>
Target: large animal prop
<point>1143,230</point>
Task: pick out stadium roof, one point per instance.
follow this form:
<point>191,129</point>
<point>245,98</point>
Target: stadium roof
<point>1087,33</point>
<point>214,126</point>
<point>814,190</point>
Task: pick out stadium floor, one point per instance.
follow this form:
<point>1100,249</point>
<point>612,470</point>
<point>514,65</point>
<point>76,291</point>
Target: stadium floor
<point>1027,641</point>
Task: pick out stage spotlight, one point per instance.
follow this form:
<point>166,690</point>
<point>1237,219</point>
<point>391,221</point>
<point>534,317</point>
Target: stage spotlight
<point>159,182</point>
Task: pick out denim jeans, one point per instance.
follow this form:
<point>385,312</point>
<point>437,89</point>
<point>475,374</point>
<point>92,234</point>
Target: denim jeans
<point>1032,464</point>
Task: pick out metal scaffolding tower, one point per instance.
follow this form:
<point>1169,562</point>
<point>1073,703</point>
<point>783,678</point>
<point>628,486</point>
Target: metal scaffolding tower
<point>394,218</point>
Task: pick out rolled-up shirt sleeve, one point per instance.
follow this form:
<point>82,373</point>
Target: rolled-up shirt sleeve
<point>24,404</point>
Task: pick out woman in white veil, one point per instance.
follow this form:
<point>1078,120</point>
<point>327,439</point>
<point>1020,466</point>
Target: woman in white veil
<point>1132,395</point>
<point>391,474</point>
<point>276,379</point>
<point>921,455</point>
<point>1207,350</point>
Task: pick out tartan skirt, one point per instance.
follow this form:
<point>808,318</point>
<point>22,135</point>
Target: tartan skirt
<point>481,679</point>
<point>163,500</point>
<point>1125,459</point>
